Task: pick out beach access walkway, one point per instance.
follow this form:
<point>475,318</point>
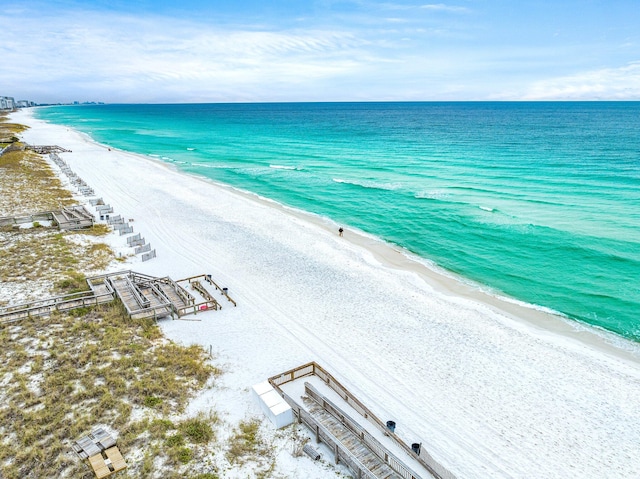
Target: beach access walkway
<point>68,218</point>
<point>367,446</point>
<point>143,296</point>
<point>47,149</point>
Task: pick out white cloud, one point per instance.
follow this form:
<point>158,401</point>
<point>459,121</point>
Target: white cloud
<point>621,83</point>
<point>123,58</point>
<point>441,7</point>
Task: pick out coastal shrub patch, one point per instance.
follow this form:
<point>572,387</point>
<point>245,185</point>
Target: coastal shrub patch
<point>152,401</point>
<point>98,229</point>
<point>73,282</point>
<point>185,455</point>
<point>33,184</point>
<point>75,381</point>
<point>198,429</point>
<point>245,444</point>
<point>66,374</point>
<point>175,440</point>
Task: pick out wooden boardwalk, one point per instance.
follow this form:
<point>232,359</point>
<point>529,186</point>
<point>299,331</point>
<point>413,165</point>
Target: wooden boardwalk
<point>143,296</point>
<point>68,218</point>
<point>173,296</point>
<point>142,300</point>
<point>46,307</point>
<point>351,441</point>
<point>73,218</point>
<point>46,149</point>
<point>320,413</point>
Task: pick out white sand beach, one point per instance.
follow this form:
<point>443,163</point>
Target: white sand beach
<point>492,389</point>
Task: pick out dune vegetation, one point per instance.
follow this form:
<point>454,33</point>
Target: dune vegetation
<point>64,375</point>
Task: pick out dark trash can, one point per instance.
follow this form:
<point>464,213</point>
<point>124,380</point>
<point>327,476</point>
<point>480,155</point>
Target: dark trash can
<point>391,426</point>
<point>416,447</point>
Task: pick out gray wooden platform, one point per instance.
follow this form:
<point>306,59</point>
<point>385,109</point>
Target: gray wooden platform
<point>68,218</point>
<point>143,296</point>
<point>351,441</point>
<point>73,218</point>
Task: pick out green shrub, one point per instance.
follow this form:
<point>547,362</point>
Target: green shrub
<point>152,401</point>
<point>197,430</point>
<point>73,282</point>
<point>175,440</point>
<point>185,455</point>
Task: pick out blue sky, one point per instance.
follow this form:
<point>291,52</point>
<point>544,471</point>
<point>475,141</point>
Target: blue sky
<point>285,50</point>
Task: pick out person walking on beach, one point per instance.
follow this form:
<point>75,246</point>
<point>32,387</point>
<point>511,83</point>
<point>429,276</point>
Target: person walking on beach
<point>340,231</point>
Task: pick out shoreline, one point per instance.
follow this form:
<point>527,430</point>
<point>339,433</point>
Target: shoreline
<point>540,319</point>
<point>423,347</point>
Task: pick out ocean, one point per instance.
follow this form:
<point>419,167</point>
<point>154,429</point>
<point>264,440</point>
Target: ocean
<point>538,201</point>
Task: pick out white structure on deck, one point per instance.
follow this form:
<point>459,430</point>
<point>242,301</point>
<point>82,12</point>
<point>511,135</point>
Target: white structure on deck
<point>273,405</point>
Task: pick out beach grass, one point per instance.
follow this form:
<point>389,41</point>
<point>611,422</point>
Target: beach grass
<point>246,444</point>
<point>33,185</point>
<point>64,375</point>
<point>40,252</point>
<point>8,131</point>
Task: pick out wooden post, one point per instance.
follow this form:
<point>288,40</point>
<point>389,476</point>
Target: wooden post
<point>317,434</point>
<point>336,450</point>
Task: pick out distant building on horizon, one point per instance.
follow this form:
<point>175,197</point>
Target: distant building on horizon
<point>7,103</point>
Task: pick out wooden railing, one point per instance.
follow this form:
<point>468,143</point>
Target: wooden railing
<point>140,298</point>
<point>184,295</point>
<point>367,439</point>
<point>47,306</point>
<point>17,220</point>
<point>341,453</point>
<point>207,278</point>
<point>314,369</point>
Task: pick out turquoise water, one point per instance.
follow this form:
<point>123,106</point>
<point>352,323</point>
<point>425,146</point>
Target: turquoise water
<point>540,201</point>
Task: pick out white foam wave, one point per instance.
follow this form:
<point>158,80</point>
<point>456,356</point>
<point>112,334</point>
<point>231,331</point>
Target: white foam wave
<point>433,195</point>
<point>370,184</point>
<point>283,167</point>
<point>210,165</point>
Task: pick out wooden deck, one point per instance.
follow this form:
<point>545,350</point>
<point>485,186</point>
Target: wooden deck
<point>143,297</point>
<point>352,442</point>
<point>141,300</point>
<point>171,293</point>
<point>73,218</point>
<point>46,149</point>
<point>345,435</point>
<point>68,218</point>
<point>46,307</point>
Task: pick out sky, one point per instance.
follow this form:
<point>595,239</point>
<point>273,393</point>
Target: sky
<point>163,51</point>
